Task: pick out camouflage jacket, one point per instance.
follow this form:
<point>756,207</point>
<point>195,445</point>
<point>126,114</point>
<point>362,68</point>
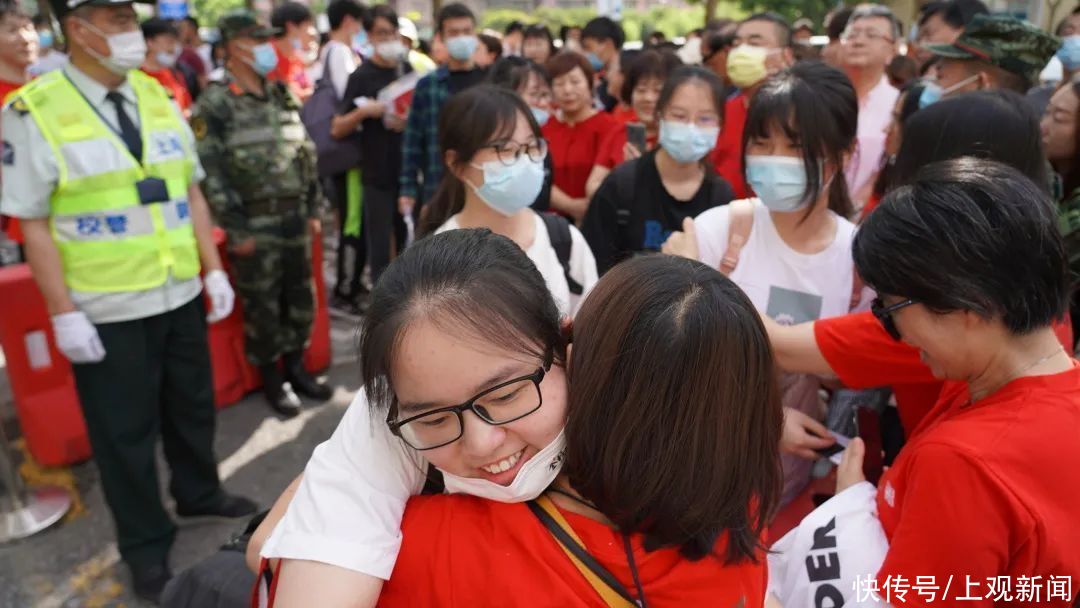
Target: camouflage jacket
<point>256,152</point>
<point>1069,223</point>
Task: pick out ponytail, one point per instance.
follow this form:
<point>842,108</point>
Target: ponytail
<point>449,199</point>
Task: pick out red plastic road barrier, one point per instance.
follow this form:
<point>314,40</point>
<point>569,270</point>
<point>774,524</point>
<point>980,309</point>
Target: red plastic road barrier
<point>41,381</point>
<point>233,375</point>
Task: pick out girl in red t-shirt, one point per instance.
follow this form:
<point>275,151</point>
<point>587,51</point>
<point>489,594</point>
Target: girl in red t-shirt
<point>669,469</point>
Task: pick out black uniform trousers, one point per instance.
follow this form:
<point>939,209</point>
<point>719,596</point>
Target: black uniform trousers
<point>155,380</point>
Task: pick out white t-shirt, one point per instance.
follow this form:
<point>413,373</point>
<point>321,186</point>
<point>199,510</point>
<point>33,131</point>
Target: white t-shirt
<point>582,263</point>
<point>789,286</point>
<point>341,64</point>
<point>347,511</point>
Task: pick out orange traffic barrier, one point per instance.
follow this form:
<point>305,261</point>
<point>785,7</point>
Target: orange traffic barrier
<point>41,380</point>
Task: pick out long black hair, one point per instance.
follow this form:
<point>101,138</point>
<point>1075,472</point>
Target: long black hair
<point>997,125</point>
<point>469,121</point>
<point>886,174</point>
<point>815,105</point>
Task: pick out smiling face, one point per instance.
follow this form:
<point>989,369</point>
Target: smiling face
<point>434,368</point>
<point>644,97</point>
<point>950,344</point>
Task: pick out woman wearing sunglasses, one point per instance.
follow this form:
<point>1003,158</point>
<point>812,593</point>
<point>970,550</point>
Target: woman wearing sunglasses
<point>971,272</point>
<point>483,398</point>
<point>494,155</point>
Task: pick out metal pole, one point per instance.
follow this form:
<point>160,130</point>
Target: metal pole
<point>27,512</point>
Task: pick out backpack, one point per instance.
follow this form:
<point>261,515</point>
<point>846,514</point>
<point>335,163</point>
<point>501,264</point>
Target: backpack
<point>558,228</point>
<point>740,223</point>
<point>626,186</point>
<point>335,156</point>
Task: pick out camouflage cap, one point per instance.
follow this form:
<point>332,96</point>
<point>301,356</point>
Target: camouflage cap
<point>241,22</point>
<point>1009,43</point>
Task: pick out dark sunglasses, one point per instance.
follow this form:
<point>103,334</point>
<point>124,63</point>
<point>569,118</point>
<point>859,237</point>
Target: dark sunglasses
<point>884,315</point>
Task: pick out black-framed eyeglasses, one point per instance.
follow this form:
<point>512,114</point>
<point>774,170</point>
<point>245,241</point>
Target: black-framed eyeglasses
<point>506,402</point>
<point>509,152</point>
<point>884,315</point>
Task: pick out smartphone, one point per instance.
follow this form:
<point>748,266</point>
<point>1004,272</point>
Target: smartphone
<point>868,425</point>
<point>635,135</point>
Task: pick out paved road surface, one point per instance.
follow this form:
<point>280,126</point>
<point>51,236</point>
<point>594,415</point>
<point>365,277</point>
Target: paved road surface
<point>75,562</point>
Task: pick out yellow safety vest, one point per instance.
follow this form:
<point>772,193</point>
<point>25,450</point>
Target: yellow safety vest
<point>108,241</point>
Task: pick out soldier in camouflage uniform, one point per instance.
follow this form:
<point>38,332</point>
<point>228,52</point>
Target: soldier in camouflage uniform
<point>994,52</point>
<point>262,186</point>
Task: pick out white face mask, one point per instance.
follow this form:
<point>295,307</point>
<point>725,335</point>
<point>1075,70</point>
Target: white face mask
<point>392,50</point>
<point>534,477</point>
<point>127,50</point>
<point>167,59</point>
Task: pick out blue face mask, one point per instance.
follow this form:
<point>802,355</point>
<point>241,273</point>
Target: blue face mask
<point>687,143</point>
<point>45,39</point>
<point>509,189</point>
<point>594,61</point>
<point>933,93</point>
<point>462,48</point>
<point>541,116</point>
<point>264,58</point>
<point>779,181</point>
<point>1069,53</point>
<point>359,40</point>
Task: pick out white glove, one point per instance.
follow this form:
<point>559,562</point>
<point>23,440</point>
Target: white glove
<point>221,295</point>
<point>77,338</point>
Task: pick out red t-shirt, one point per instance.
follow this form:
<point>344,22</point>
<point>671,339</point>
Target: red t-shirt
<point>176,88</point>
<point>611,148</point>
<point>574,149</point>
<point>864,355</point>
<point>11,225</point>
<point>988,490</point>
<point>871,204</point>
<point>624,114</point>
<point>464,551</point>
<point>290,70</point>
<point>727,155</point>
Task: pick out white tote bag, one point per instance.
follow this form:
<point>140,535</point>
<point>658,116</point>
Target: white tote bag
<point>829,559</point>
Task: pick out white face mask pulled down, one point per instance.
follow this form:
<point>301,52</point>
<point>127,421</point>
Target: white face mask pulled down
<point>127,50</point>
<point>534,477</point>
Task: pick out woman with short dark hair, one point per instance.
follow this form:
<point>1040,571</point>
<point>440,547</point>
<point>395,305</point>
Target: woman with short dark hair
<point>971,274</point>
<point>643,82</point>
<point>538,44</point>
<point>574,135</point>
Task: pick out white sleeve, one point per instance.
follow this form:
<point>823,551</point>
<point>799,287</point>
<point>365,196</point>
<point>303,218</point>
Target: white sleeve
<point>29,168</point>
<point>582,268</point>
<point>347,511</point>
<point>712,235</point>
<point>341,66</point>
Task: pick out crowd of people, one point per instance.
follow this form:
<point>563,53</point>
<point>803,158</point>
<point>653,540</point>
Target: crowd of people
<point>618,306</point>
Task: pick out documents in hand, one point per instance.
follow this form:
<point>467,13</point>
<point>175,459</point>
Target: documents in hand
<point>398,94</point>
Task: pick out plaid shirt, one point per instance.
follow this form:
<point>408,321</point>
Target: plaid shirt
<point>420,150</point>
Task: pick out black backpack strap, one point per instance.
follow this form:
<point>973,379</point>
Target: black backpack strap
<point>558,229</point>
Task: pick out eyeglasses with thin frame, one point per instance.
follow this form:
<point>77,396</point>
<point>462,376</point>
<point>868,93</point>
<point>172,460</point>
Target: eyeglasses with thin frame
<point>871,35</point>
<point>884,315</point>
<point>509,152</point>
<point>501,404</point>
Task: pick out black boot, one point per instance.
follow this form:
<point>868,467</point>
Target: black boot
<point>278,393</point>
<point>302,381</point>
<point>149,580</point>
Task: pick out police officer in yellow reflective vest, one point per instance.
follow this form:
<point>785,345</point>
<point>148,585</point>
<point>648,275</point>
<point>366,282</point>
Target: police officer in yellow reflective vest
<point>102,171</point>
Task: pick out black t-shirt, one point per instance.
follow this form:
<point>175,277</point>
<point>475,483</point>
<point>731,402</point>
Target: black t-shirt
<point>632,212</point>
<point>459,81</point>
<point>381,147</point>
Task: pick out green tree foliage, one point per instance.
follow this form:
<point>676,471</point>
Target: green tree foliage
<point>209,11</point>
<point>671,21</point>
<point>815,10</point>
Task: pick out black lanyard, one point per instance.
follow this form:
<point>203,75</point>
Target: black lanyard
<point>116,132</point>
<point>626,546</point>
